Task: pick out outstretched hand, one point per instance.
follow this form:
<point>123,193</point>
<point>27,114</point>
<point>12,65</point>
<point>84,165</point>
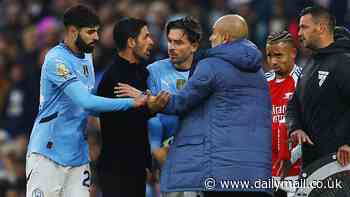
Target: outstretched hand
<point>141,99</point>
<point>125,90</point>
<point>299,137</point>
<point>158,103</point>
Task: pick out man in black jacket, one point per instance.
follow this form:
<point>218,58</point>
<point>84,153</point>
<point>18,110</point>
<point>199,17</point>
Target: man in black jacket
<point>125,153</point>
<point>318,114</point>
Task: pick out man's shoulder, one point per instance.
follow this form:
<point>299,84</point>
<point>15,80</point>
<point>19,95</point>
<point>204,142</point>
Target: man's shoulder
<point>109,75</point>
<point>344,57</point>
<point>296,72</point>
<point>270,75</point>
<point>57,55</point>
<point>159,64</point>
<point>211,64</point>
<point>57,51</point>
<point>211,61</point>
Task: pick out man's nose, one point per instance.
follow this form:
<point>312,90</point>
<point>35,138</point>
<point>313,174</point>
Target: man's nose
<point>274,61</point>
<point>96,37</point>
<point>171,46</point>
<point>151,41</point>
<point>299,33</point>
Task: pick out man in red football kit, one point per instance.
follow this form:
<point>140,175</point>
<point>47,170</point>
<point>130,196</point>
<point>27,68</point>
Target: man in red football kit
<point>281,53</point>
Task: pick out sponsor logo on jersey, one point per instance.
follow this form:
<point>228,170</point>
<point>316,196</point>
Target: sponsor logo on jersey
<point>278,113</point>
<point>37,193</point>
<point>85,71</point>
<point>322,75</point>
<point>288,95</point>
<point>62,70</point>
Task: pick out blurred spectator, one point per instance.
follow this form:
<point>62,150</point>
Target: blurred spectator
<point>12,173</point>
<point>17,114</point>
<point>49,32</point>
<point>4,86</point>
<point>218,9</point>
<point>157,17</point>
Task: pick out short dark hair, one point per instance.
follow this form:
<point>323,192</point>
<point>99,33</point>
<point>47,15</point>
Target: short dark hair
<point>127,28</point>
<point>189,25</point>
<point>80,16</point>
<point>319,13</point>
<point>280,36</point>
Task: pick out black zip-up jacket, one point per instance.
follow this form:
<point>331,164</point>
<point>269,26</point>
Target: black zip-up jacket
<point>321,103</point>
<point>125,149</point>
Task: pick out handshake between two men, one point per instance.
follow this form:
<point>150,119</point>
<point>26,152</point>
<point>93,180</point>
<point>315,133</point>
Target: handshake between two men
<point>154,103</point>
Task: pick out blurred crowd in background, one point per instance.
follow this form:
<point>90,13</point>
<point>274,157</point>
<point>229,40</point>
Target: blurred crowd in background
<point>29,28</point>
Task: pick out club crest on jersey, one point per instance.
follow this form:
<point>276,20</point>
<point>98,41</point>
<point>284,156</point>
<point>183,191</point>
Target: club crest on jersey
<point>62,70</point>
<point>322,75</point>
<point>288,95</point>
<point>180,83</point>
<point>85,70</point>
<point>37,193</point>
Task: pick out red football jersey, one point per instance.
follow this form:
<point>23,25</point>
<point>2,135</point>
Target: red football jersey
<point>281,91</point>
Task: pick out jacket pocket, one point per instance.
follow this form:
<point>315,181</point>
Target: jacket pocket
<point>190,140</point>
<point>187,162</point>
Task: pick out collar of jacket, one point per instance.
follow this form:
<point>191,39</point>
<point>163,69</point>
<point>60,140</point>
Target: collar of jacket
<point>123,63</point>
<point>341,45</point>
<point>120,63</point>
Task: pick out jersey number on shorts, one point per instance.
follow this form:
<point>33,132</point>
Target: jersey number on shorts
<point>86,181</point>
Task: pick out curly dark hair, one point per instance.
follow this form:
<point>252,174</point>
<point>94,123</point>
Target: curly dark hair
<point>189,25</point>
<point>280,36</point>
<point>80,16</point>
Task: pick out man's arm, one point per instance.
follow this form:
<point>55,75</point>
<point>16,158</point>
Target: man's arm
<point>62,74</point>
<point>82,97</point>
<point>293,118</point>
<point>197,89</point>
<point>342,73</point>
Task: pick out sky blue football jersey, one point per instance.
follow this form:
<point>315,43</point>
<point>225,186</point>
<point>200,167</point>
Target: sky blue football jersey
<point>164,76</point>
<point>59,129</point>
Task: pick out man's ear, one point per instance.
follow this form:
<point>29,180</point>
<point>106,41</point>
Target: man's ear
<point>131,42</point>
<point>294,52</point>
<point>322,27</point>
<point>227,38</point>
<point>73,31</point>
<point>195,46</point>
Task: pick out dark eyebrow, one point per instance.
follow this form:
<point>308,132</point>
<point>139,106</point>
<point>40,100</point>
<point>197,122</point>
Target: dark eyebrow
<point>183,34</point>
<point>92,30</point>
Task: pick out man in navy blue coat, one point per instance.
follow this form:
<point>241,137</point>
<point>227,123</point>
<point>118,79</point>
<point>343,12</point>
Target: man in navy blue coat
<point>225,120</point>
<point>223,143</point>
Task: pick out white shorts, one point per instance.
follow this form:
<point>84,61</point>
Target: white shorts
<point>45,178</point>
<point>182,194</point>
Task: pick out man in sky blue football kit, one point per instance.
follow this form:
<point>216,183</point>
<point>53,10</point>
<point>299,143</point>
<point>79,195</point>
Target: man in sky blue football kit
<point>171,75</point>
<point>164,76</point>
<point>57,159</point>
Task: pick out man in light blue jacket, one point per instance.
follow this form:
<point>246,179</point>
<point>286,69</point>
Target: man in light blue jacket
<point>223,144</point>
